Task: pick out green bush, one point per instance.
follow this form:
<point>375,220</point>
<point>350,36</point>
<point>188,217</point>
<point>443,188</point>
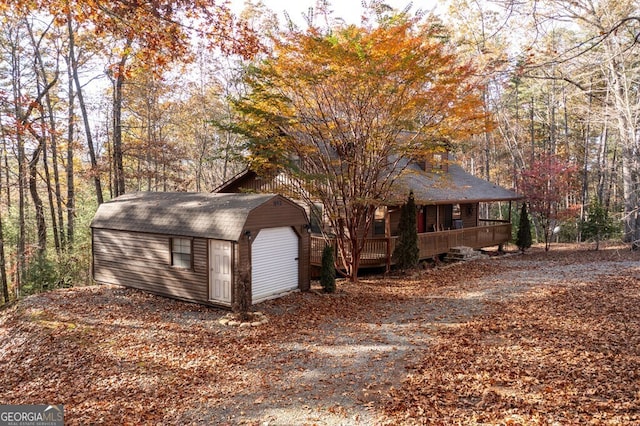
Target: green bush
<point>40,274</point>
<point>407,253</point>
<point>598,226</point>
<point>523,241</point>
<point>328,271</point>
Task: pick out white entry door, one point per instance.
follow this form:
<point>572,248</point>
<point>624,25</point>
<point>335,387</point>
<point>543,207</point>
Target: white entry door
<point>220,271</point>
<point>274,258</point>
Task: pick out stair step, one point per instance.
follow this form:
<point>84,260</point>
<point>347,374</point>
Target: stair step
<point>462,253</point>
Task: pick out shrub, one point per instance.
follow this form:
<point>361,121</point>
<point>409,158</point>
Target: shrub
<point>407,253</point>
<point>523,241</point>
<point>598,226</point>
<point>328,271</point>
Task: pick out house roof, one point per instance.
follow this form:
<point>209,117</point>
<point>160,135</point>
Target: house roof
<point>451,187</point>
<point>217,216</point>
<point>236,181</point>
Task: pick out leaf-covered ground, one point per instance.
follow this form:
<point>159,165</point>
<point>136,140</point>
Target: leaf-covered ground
<point>544,338</point>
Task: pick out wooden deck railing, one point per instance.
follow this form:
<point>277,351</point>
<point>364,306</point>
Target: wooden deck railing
<point>377,251</point>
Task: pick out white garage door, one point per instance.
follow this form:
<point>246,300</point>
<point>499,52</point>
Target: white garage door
<point>274,258</point>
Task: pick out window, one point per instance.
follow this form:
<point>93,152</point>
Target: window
<point>379,222</point>
<point>315,218</point>
<point>181,253</point>
<point>437,163</point>
<point>456,211</point>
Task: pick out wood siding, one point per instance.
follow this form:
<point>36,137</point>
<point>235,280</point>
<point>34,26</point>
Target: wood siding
<point>469,215</point>
<point>143,261</point>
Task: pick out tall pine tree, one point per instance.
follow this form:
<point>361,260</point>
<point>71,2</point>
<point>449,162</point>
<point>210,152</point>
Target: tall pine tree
<point>524,230</point>
<point>407,252</point>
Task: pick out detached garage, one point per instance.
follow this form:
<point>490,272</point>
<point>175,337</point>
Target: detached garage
<point>198,246</point>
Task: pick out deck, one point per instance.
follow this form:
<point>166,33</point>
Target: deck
<point>377,251</point>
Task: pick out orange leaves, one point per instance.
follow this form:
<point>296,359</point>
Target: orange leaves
<point>554,355</point>
<point>360,83</point>
<point>161,30</point>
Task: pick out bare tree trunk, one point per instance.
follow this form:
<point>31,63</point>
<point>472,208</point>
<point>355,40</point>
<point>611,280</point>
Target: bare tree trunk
<point>585,166</point>
<point>41,76</point>
<point>532,130</point>
<point>71,198</point>
<point>50,196</point>
<point>487,149</point>
<point>44,88</point>
<point>3,268</point>
<point>17,110</point>
<point>5,160</point>
<point>631,200</point>
<point>37,201</point>
<point>83,109</point>
<point>630,168</point>
<point>117,161</point>
<point>603,166</point>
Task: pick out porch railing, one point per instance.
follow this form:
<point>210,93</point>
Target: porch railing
<point>378,251</point>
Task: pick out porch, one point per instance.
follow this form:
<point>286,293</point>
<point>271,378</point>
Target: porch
<point>377,251</point>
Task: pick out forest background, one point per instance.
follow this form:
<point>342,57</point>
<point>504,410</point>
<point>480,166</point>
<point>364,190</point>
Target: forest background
<point>102,98</point>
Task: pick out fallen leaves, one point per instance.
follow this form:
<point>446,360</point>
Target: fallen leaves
<point>534,339</point>
<point>566,354</point>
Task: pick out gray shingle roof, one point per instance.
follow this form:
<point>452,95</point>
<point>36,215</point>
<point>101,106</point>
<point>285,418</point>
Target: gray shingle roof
<point>455,186</point>
<point>217,216</point>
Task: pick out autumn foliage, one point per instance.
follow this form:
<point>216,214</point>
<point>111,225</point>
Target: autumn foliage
<point>548,185</point>
<point>544,339</point>
<point>159,31</point>
<point>338,110</point>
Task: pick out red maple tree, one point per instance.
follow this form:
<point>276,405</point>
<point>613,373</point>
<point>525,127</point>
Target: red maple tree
<point>548,184</point>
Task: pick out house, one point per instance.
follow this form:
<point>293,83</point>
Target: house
<point>449,203</point>
<point>200,247</point>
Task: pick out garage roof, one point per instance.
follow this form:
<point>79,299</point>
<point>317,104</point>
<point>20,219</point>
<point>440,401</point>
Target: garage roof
<point>191,214</point>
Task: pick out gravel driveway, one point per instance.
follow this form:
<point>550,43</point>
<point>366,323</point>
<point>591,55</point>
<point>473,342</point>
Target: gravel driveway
<point>341,371</point>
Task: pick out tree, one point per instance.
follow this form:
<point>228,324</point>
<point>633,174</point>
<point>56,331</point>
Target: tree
<point>601,63</point>
<point>73,71</point>
<point>548,184</point>
<point>598,225</point>
<point>339,112</point>
<point>328,270</point>
<point>407,252</point>
<point>4,283</point>
<point>156,34</point>
<point>523,241</point>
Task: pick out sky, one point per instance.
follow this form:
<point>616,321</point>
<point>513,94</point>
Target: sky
<point>349,10</point>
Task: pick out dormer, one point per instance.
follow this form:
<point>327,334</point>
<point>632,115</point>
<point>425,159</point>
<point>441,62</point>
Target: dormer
<point>435,161</point>
<point>439,162</point>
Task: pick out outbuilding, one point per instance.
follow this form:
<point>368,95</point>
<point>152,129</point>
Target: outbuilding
<point>198,246</point>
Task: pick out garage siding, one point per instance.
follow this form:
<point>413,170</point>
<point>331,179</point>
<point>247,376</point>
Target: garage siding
<point>132,240</point>
<point>143,261</point>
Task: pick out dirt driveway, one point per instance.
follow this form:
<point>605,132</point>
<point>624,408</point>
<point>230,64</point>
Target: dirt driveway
<point>118,356</point>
